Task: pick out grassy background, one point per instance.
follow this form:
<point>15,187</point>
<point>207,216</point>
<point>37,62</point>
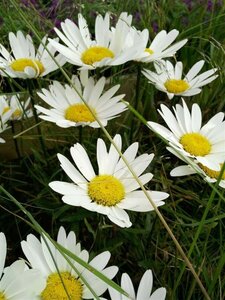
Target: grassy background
<point>146,244</point>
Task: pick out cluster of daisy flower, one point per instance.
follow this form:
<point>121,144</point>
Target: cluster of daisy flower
<point>47,274</point>
<point>114,186</point>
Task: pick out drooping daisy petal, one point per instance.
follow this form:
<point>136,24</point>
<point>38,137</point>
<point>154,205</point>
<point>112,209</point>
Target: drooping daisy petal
<point>68,108</point>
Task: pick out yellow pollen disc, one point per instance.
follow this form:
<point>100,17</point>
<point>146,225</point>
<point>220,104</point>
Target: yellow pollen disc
<point>106,190</point>
<point>56,290</point>
<point>5,110</point>
<point>20,64</point>
<point>79,113</point>
<point>211,173</point>
<point>17,113</point>
<point>2,297</point>
<point>176,86</point>
<point>150,51</point>
<point>95,54</point>
<point>195,144</point>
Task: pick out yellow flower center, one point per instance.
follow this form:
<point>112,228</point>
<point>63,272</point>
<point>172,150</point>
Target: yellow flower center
<point>106,190</point>
<point>95,54</point>
<point>7,108</point>
<point>149,51</point>
<point>2,296</point>
<point>56,290</point>
<point>176,86</point>
<point>211,173</point>
<point>17,113</point>
<point>20,64</point>
<point>79,113</point>
<point>195,144</point>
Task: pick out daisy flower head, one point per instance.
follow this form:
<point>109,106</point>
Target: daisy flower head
<point>55,268</point>
<point>205,144</point>
<point>19,108</point>
<point>160,47</point>
<point>17,282</point>
<point>144,290</point>
<point>23,61</point>
<point>111,189</point>
<point>5,115</point>
<point>110,47</point>
<point>168,78</point>
<point>68,108</point>
<point>193,167</point>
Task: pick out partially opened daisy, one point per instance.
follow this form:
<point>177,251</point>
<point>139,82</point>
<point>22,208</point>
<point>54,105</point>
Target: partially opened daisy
<point>55,268</point>
<point>160,47</point>
<point>186,134</point>
<point>17,282</point>
<point>68,109</point>
<point>111,189</point>
<point>5,115</point>
<point>144,290</point>
<point>20,109</point>
<point>23,61</point>
<point>168,78</point>
<point>109,48</point>
<point>196,168</point>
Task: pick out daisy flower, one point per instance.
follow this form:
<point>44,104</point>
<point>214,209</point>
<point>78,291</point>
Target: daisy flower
<point>160,47</point>
<point>109,48</point>
<point>113,188</point>
<point>5,115</point>
<point>143,292</point>
<point>196,168</point>
<point>55,268</point>
<point>186,134</point>
<point>23,61</point>
<point>168,78</point>
<point>17,282</point>
<point>68,109</point>
<point>19,108</point>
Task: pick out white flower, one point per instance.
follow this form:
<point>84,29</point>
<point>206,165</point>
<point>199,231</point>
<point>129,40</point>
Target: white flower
<point>168,78</point>
<point>205,143</point>
<point>160,47</point>
<point>23,61</point>
<point>109,48</point>
<point>19,108</point>
<point>17,282</point>
<point>196,168</point>
<point>68,109</point>
<point>5,115</point>
<point>113,188</point>
<point>143,292</point>
<point>55,268</point>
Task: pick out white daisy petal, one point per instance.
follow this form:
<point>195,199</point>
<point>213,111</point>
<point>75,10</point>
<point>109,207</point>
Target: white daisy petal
<point>114,189</point>
<point>206,144</point>
<point>48,286</point>
<point>26,62</point>
<point>168,78</point>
